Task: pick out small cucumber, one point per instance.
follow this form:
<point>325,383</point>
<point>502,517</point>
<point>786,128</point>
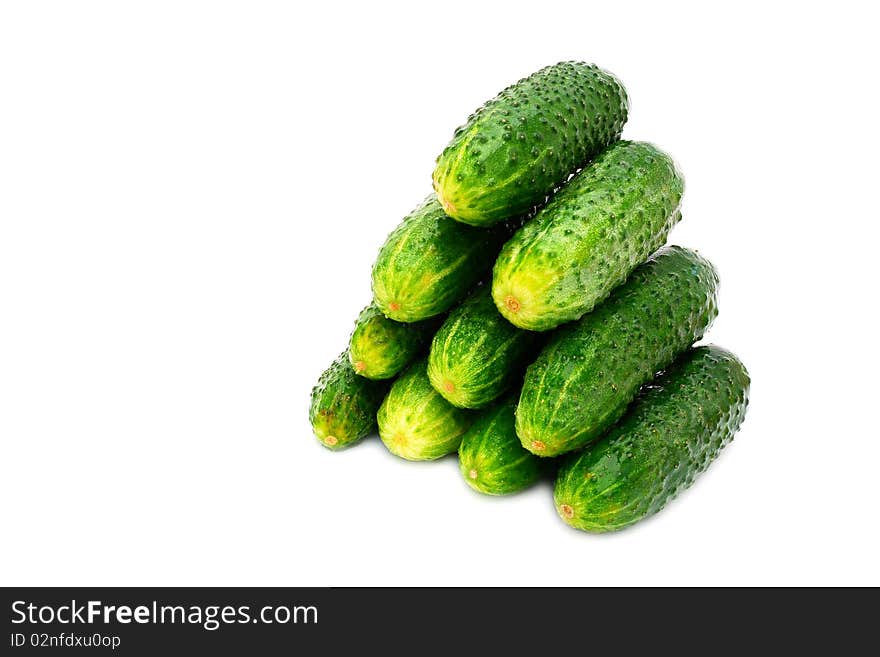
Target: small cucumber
<point>476,355</point>
<point>343,405</point>
<point>588,373</point>
<point>415,422</point>
<point>670,434</point>
<point>430,262</point>
<point>380,348</point>
<point>490,457</point>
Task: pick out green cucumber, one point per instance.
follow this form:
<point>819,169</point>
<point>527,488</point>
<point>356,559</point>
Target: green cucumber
<point>671,434</point>
<point>519,146</point>
<point>490,457</point>
<point>589,237</point>
<point>430,262</point>
<point>590,371</point>
<point>343,405</point>
<point>476,355</point>
<point>415,422</point>
<point>380,348</point>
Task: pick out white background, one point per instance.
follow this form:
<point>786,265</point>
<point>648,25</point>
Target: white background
<point>192,195</point>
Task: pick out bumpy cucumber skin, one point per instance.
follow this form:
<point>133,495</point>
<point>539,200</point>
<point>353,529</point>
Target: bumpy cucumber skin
<point>490,457</point>
<point>519,146</point>
<point>476,355</point>
<point>671,434</point>
<point>415,422</point>
<point>430,262</point>
<point>588,372</point>
<point>589,237</point>
<point>379,348</point>
<point>343,405</point>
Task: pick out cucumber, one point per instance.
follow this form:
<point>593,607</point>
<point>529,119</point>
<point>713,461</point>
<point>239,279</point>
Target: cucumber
<point>582,381</point>
<point>490,457</point>
<point>380,348</point>
<point>519,146</point>
<point>343,405</point>
<point>477,354</point>
<point>430,262</point>
<point>415,422</point>
<point>589,237</point>
<point>670,435</point>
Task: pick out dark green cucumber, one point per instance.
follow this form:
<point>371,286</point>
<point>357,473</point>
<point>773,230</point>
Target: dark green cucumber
<point>490,457</point>
<point>343,407</point>
<point>670,434</point>
<point>589,237</point>
<point>430,262</point>
<point>476,355</point>
<point>380,348</point>
<point>415,422</point>
<point>519,146</point>
<point>584,378</point>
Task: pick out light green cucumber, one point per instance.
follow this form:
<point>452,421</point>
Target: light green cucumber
<point>415,422</point>
<point>380,348</point>
<point>477,355</point>
<point>430,262</point>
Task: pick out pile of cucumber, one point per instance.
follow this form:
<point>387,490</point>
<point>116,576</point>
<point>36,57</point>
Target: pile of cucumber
<point>528,316</point>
